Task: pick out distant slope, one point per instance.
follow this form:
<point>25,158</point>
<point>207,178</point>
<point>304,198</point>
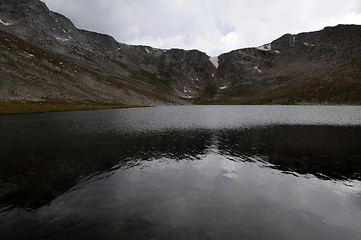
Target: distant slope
<point>316,67</point>
<point>45,58</point>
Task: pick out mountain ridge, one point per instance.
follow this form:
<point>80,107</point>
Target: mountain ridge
<point>45,58</point>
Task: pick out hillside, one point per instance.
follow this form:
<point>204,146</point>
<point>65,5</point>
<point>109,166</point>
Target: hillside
<point>44,58</point>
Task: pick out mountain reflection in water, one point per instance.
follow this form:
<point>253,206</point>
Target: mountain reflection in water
<point>257,182</point>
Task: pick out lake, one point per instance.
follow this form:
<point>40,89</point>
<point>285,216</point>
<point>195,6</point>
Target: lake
<point>182,172</point>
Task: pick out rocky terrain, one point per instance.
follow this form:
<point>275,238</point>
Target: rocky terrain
<point>316,67</point>
<point>44,58</point>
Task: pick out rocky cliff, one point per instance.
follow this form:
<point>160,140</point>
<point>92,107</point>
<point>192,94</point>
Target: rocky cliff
<point>316,67</point>
<point>45,58</point>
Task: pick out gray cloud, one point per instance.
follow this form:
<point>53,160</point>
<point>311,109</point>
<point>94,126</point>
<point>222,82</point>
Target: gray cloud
<point>213,27</point>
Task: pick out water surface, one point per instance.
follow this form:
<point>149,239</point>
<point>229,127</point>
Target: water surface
<point>185,172</point>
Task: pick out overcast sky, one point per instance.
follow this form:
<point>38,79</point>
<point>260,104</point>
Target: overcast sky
<point>213,27</point>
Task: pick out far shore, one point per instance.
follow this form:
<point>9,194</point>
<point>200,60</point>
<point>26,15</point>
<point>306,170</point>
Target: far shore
<point>40,107</point>
<point>7,108</point>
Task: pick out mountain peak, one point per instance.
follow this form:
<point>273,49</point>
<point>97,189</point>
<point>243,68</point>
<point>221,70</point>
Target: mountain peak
<point>46,58</point>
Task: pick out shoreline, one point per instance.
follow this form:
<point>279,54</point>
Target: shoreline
<point>10,108</point>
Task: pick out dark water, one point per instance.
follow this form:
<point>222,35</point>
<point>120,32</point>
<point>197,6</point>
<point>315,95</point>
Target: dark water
<point>190,172</point>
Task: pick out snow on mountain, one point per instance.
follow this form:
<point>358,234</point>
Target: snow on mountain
<point>214,61</point>
<point>257,69</point>
<point>4,23</point>
<point>265,47</point>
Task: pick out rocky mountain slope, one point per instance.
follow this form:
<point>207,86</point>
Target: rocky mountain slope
<point>316,67</point>
<point>45,58</point>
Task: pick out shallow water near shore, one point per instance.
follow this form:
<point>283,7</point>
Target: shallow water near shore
<point>182,172</point>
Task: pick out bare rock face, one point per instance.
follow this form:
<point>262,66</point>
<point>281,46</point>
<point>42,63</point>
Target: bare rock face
<point>316,67</point>
<point>44,57</point>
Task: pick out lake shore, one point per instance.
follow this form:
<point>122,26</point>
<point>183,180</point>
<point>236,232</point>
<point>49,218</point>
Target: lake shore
<point>40,107</point>
<point>8,108</point>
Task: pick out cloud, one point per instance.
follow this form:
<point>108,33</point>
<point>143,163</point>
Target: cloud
<point>213,27</point>
<point>224,27</point>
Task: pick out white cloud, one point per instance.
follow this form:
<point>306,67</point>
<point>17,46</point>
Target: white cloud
<point>213,27</point>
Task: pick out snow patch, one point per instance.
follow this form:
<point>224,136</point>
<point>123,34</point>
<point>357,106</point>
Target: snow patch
<point>4,23</point>
<point>214,61</point>
<point>293,41</point>
<point>62,39</point>
<point>146,49</point>
<point>224,87</point>
<point>307,44</point>
<point>31,55</point>
<point>186,90</point>
<point>265,47</point>
<point>277,51</point>
<point>257,69</point>
<point>212,74</point>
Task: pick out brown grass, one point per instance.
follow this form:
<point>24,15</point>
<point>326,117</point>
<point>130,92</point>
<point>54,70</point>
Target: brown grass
<point>37,107</point>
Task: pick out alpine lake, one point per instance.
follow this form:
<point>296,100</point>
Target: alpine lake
<point>182,172</point>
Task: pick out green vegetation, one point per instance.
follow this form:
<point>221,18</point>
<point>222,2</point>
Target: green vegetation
<point>37,107</point>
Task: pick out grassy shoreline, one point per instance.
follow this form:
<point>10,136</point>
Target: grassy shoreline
<point>7,108</point>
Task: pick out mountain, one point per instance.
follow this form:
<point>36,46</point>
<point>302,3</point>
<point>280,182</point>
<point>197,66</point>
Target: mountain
<point>316,67</point>
<point>45,58</point>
